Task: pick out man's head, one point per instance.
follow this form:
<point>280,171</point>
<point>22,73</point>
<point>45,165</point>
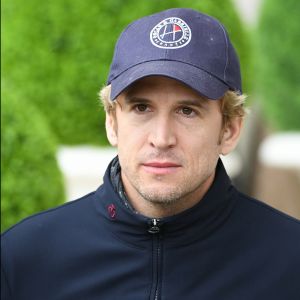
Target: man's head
<point>173,104</point>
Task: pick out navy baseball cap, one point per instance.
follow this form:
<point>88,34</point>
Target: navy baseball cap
<point>179,43</point>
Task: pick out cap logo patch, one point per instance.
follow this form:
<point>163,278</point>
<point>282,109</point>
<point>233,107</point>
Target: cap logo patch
<point>171,33</point>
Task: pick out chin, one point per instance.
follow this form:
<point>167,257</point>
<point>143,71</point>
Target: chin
<point>161,193</point>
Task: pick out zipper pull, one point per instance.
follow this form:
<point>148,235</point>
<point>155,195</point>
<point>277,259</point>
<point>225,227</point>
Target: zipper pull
<point>154,226</point>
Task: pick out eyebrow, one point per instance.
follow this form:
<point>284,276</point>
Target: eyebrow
<point>132,100</point>
<point>200,103</point>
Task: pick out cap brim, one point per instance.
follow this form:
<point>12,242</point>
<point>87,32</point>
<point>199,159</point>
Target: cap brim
<point>199,80</point>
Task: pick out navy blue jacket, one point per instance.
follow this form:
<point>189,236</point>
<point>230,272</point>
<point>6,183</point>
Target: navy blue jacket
<point>227,247</point>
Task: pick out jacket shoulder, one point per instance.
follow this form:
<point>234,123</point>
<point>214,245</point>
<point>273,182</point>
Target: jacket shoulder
<point>269,211</point>
<point>50,219</point>
<point>267,222</point>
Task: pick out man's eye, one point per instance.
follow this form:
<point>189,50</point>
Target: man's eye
<point>141,107</point>
<point>187,111</point>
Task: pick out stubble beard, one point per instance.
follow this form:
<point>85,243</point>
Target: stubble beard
<point>171,195</point>
<point>161,192</point>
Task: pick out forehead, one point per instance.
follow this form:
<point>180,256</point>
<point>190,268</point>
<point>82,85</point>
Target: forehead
<point>155,86</point>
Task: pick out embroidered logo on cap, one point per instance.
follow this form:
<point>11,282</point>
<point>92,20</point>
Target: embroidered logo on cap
<point>171,33</point>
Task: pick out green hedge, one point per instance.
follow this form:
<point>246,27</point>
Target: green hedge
<point>57,53</point>
<point>31,181</point>
<point>278,68</point>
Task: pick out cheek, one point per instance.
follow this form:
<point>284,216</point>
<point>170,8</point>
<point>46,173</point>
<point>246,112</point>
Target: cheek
<point>202,147</point>
<point>130,138</point>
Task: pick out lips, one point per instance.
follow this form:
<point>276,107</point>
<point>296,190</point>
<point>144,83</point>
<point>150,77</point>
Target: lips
<point>161,164</point>
<point>160,168</point>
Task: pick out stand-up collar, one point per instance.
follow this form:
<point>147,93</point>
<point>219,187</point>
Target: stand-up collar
<point>194,223</point>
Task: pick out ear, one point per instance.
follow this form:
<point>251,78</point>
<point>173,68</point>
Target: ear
<point>111,129</point>
<point>231,134</point>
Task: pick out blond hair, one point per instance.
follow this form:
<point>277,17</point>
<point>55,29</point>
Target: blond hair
<point>232,104</point>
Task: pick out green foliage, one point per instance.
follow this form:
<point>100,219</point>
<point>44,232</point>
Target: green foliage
<point>57,53</point>
<point>31,181</point>
<point>279,64</point>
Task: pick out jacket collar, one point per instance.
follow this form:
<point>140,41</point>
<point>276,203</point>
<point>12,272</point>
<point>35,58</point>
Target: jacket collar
<point>184,228</point>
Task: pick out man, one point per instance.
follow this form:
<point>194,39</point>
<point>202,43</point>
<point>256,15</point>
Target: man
<point>166,223</point>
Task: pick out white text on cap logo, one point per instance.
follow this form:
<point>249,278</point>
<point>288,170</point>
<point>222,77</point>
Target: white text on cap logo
<point>171,33</point>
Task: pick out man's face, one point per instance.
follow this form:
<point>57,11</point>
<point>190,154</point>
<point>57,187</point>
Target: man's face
<point>169,139</point>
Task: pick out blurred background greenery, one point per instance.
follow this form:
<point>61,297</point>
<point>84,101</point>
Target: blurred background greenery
<point>56,56</point>
<point>31,179</point>
<point>277,46</point>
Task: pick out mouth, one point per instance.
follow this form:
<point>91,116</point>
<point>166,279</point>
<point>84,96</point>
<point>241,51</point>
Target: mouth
<point>160,168</point>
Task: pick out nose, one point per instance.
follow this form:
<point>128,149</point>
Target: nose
<point>162,135</point>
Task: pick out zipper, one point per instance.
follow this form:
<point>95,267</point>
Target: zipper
<point>154,226</point>
<point>154,229</point>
